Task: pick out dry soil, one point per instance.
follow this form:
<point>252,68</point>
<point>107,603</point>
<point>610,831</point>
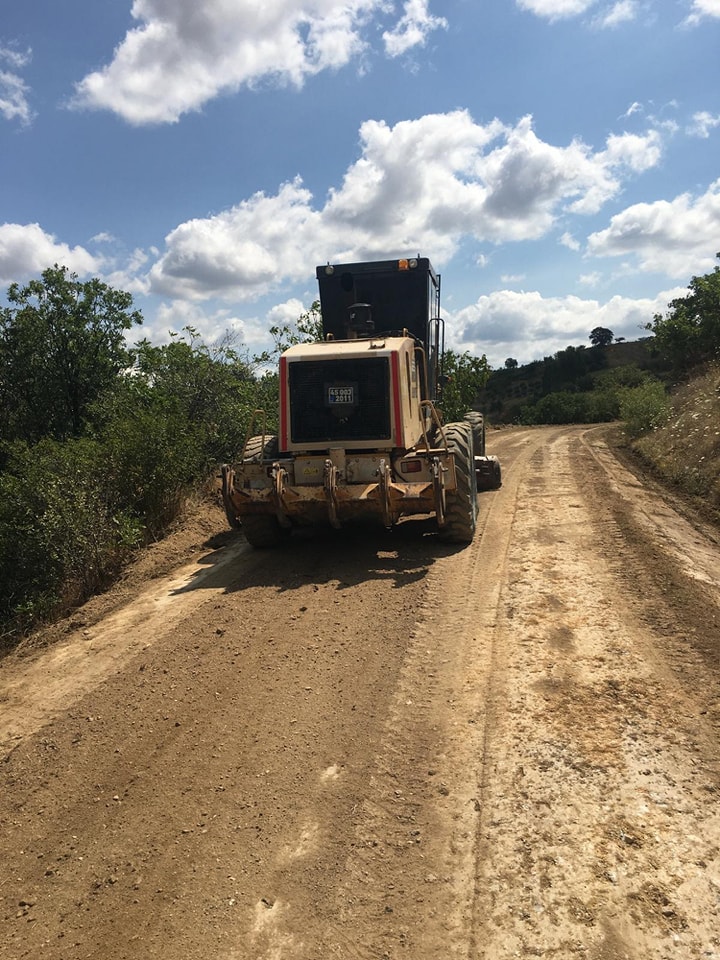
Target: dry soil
<point>373,745</point>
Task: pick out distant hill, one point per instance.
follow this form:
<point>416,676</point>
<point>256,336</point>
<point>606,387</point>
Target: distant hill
<point>510,392</point>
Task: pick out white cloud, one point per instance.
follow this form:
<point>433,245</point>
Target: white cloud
<point>607,17</point>
<point>556,9</point>
<point>287,312</point>
<point>702,123</point>
<point>243,252</point>
<point>701,9</point>
<point>217,324</point>
<point>622,12</point>
<point>569,241</point>
<point>15,58</point>
<point>14,103</point>
<point>491,182</point>
<point>184,53</point>
<point>412,29</point>
<point>128,276</point>
<point>638,153</point>
<point>529,326</point>
<point>26,250</point>
<point>634,107</point>
<point>677,237</point>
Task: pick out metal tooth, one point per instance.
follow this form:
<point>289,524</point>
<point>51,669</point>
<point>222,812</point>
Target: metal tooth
<point>330,485</point>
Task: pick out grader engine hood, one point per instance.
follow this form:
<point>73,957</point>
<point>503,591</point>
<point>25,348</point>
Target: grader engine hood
<point>357,394</point>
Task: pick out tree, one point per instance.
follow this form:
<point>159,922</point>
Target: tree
<point>511,363</point>
<point>464,377</point>
<point>184,408</point>
<point>690,333</point>
<point>61,344</point>
<point>601,337</point>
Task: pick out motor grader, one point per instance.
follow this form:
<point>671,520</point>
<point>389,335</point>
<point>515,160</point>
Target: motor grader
<point>361,435</point>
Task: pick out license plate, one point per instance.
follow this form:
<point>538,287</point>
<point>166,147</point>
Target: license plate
<point>341,395</point>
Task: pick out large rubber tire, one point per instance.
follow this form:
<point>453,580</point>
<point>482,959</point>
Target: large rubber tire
<point>262,530</point>
<point>255,451</point>
<point>461,504</point>
<point>477,423</point>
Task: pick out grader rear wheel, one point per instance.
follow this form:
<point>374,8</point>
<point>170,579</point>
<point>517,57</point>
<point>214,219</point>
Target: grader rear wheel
<point>461,503</point>
<point>255,450</point>
<point>477,424</point>
<point>262,529</point>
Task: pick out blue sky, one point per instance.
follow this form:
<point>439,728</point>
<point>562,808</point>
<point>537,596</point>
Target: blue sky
<point>557,160</point>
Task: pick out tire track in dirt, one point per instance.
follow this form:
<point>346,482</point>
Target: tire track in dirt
<point>601,829</point>
<point>35,691</point>
<point>409,881</point>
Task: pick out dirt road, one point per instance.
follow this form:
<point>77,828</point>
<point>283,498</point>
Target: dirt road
<point>378,746</point>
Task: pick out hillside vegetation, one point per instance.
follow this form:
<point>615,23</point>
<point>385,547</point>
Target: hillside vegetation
<point>576,385</point>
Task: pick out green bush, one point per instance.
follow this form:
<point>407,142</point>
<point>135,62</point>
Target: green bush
<point>565,406</point>
<point>644,408</point>
<point>60,538</point>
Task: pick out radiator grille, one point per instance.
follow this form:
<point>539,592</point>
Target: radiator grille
<point>314,420</point>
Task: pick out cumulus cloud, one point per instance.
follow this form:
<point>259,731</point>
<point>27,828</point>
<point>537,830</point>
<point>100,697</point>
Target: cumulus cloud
<point>184,53</point>
<point>492,182</point>
<point>413,28</point>
<point>26,250</point>
<point>243,252</point>
<point>495,325</point>
<point>676,237</point>
<point>14,92</point>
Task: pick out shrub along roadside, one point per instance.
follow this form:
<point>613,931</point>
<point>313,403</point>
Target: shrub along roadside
<point>101,444</point>
<point>683,449</point>
<point>72,510</point>
<point>61,535</point>
<point>625,393</point>
<point>644,408</point>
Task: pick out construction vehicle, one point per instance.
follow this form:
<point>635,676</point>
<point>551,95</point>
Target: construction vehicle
<point>360,432</point>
